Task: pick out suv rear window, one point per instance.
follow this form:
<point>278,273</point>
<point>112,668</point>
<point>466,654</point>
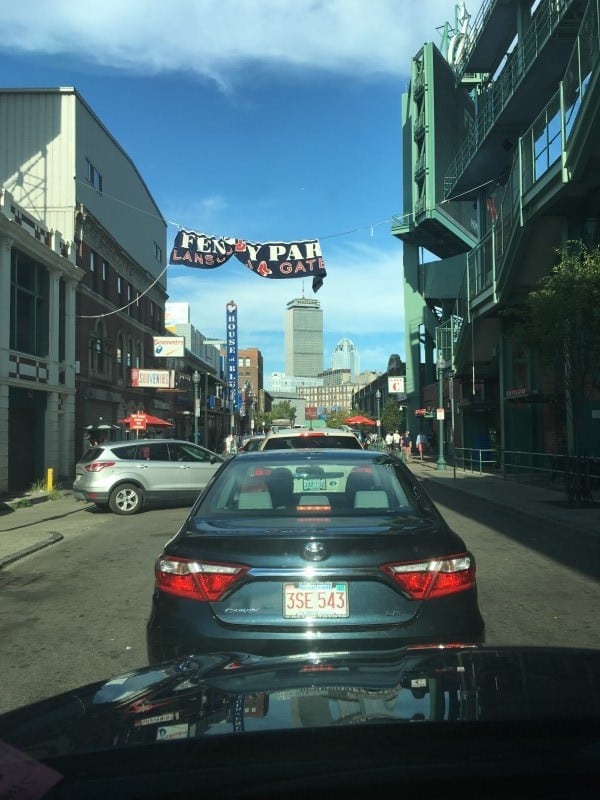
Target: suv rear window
<point>310,441</point>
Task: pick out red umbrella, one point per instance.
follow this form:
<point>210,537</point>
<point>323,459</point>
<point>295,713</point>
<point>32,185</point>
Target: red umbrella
<point>142,421</point>
<point>359,420</point>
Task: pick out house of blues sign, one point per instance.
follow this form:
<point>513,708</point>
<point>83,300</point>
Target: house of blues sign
<point>232,352</point>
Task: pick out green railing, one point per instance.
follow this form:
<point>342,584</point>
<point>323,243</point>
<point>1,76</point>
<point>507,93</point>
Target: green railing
<point>540,147</point>
<point>543,25</point>
<point>578,477</point>
<point>472,459</point>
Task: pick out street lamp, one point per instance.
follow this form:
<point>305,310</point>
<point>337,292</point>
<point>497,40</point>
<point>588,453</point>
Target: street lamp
<point>441,364</point>
<point>196,382</point>
<point>378,398</point>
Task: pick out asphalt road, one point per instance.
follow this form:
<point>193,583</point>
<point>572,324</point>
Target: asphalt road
<point>76,612</point>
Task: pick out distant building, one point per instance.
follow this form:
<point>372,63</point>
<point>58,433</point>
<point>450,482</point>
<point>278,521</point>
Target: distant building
<point>345,356</point>
<point>303,338</point>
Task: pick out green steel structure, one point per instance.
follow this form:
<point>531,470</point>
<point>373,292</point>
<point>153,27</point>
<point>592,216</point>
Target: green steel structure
<point>501,167</point>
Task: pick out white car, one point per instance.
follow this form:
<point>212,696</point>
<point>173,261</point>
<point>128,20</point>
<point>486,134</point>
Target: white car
<point>127,476</point>
<point>307,438</point>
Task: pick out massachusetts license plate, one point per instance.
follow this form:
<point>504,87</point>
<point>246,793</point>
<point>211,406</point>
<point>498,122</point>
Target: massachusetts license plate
<point>313,484</point>
<point>315,600</point>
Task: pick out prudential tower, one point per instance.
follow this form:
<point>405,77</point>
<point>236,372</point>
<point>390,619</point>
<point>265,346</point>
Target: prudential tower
<point>303,338</point>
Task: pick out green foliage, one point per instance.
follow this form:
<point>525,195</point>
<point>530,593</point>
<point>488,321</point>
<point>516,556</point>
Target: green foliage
<point>560,322</point>
<point>263,421</point>
<point>392,417</point>
<point>336,418</point>
<point>284,410</point>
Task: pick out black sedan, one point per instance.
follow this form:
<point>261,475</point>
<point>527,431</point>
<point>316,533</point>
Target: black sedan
<point>296,551</point>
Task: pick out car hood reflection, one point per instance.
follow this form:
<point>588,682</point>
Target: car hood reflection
<point>229,693</point>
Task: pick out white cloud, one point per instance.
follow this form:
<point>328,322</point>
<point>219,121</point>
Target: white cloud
<point>218,39</point>
<point>361,298</point>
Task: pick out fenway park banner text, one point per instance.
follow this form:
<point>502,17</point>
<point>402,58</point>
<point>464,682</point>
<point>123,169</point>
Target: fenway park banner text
<point>269,260</point>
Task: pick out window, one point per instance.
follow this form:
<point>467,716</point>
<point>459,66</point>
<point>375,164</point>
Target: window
<point>93,271</point>
<point>99,349</point>
<point>138,355</point>
<point>158,252</point>
<point>119,357</point>
<point>29,305</point>
<point>93,176</point>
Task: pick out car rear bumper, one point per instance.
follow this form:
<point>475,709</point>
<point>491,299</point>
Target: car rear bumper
<point>174,631</point>
<point>90,496</point>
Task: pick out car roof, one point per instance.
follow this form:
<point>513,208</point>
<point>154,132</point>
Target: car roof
<point>326,453</point>
<point>308,431</point>
<point>144,440</point>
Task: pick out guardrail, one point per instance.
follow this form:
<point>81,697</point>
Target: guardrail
<point>578,477</point>
<point>474,459</point>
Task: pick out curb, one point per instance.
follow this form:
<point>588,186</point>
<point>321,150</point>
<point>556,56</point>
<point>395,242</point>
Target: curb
<point>16,505</point>
<point>54,537</point>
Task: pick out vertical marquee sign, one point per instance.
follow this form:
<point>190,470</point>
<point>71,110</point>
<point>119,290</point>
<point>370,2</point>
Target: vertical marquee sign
<point>232,355</point>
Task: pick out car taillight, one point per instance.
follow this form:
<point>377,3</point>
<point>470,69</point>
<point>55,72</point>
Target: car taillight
<point>98,466</point>
<point>194,579</point>
<point>437,577</point>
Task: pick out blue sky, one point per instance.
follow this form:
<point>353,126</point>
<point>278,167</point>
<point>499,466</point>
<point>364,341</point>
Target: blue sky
<point>259,119</point>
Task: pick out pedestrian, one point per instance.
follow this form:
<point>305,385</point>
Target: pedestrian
<point>406,443</point>
<point>433,441</point>
<point>421,443</point>
<point>396,436</point>
<point>389,441</point>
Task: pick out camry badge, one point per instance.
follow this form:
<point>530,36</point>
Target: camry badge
<point>315,551</point>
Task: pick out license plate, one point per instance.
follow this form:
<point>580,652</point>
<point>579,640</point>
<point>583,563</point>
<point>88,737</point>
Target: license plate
<point>315,600</point>
<point>313,484</point>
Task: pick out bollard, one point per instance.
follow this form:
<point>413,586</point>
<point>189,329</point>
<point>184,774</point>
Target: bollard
<point>49,479</point>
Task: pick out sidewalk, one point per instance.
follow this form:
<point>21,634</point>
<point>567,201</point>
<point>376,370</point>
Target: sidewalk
<point>24,530</point>
<point>533,501</point>
<point>32,522</point>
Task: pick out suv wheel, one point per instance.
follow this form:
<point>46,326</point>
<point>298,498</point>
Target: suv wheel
<point>126,499</point>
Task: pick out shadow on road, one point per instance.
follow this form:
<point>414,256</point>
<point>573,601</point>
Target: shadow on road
<point>571,548</point>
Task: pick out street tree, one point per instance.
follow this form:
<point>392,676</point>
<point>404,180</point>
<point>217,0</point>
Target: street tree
<point>284,410</point>
<point>335,419</point>
<point>560,321</point>
<point>392,417</point>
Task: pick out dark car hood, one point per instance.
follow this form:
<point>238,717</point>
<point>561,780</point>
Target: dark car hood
<point>234,693</point>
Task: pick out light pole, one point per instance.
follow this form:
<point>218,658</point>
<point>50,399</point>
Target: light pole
<point>196,382</point>
<point>378,398</point>
<point>441,363</point>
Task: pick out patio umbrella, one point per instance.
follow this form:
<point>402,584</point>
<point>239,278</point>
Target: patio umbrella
<point>150,421</point>
<point>102,426</point>
<point>359,420</point>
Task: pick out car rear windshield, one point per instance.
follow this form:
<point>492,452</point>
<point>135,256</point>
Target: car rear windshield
<point>310,441</point>
<point>328,487</point>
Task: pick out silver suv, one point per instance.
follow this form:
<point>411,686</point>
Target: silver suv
<point>128,476</point>
<point>305,438</point>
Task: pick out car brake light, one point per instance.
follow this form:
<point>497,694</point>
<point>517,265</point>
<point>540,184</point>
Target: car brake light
<point>98,466</point>
<point>438,577</point>
<point>196,580</point>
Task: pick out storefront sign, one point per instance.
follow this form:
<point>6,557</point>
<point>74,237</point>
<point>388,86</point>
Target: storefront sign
<point>169,346</point>
<point>152,378</point>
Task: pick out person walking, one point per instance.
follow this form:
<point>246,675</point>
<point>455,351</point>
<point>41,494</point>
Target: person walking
<point>389,441</point>
<point>406,443</point>
<point>421,444</point>
<point>396,440</point>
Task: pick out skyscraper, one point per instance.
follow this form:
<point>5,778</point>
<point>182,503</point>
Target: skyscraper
<point>345,356</point>
<point>303,338</point>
